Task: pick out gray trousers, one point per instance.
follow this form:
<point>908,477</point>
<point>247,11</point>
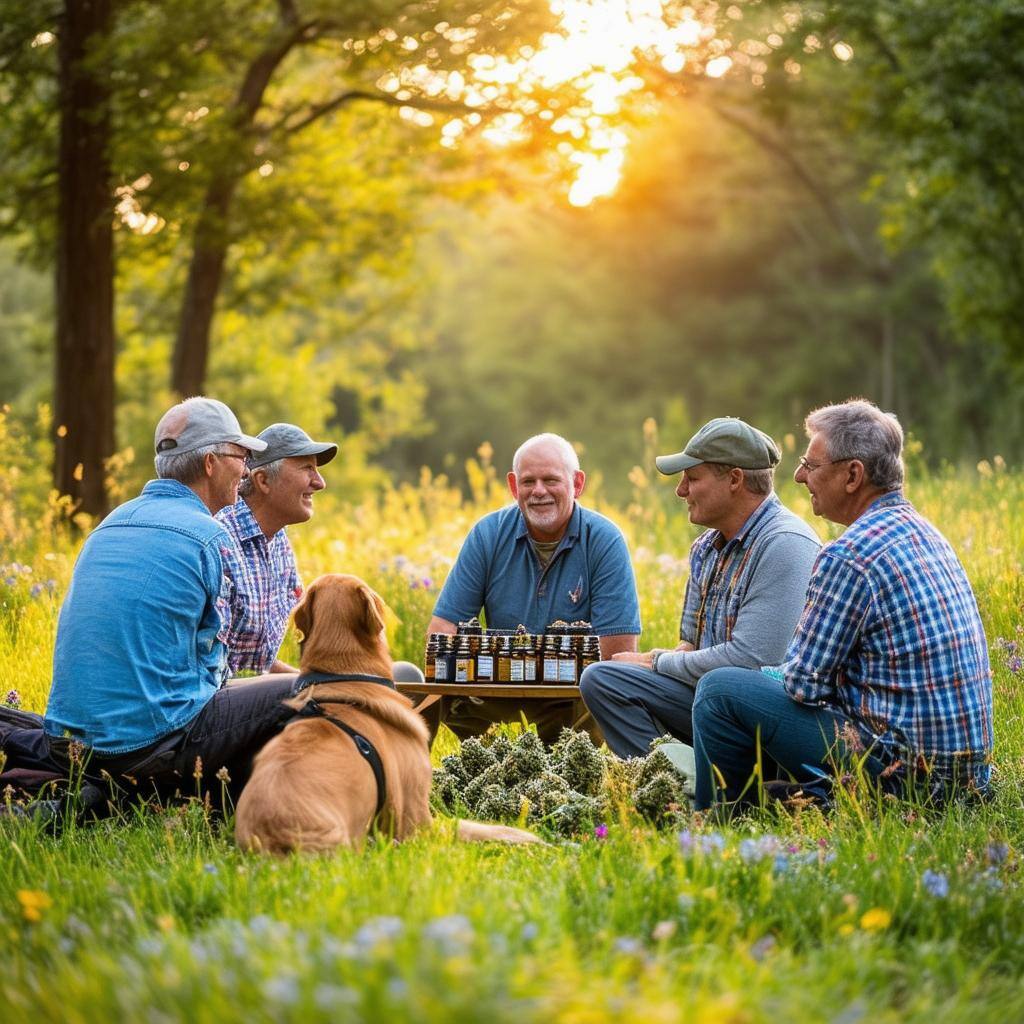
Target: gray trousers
<point>634,705</point>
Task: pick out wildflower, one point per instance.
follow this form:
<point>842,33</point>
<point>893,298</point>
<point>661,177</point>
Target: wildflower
<point>222,775</point>
<point>165,922</point>
<point>452,934</point>
<point>210,869</point>
<point>377,931</point>
<point>663,930</point>
<point>764,945</point>
<point>10,580</point>
<point>601,831</point>
<point>937,884</point>
<point>529,931</point>
<point>876,919</point>
<point>685,841</point>
<point>33,903</point>
<point>628,946</point>
<point>13,699</point>
<point>282,989</point>
<point>996,853</point>
<point>36,589</point>
<point>713,842</point>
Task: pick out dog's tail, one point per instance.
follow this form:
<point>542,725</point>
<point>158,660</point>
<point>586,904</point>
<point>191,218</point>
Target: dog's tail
<point>478,832</point>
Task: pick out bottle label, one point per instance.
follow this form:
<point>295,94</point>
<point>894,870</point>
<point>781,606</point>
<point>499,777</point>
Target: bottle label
<point>463,670</point>
<point>484,666</point>
<point>567,670</point>
<point>530,670</point>
<point>517,670</point>
<point>441,669</point>
<point>551,670</point>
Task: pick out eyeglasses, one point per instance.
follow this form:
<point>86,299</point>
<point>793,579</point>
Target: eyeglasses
<point>231,455</point>
<point>809,467</point>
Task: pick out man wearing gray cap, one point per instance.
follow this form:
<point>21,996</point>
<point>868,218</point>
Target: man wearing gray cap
<point>260,564</point>
<point>748,577</point>
<point>139,665</point>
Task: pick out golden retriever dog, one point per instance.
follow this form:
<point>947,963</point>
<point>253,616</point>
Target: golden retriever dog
<point>311,789</point>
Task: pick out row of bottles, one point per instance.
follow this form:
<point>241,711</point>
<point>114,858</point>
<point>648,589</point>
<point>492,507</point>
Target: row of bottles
<point>475,655</point>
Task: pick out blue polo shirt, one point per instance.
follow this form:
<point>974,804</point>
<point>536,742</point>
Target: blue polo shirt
<point>138,653</point>
<point>589,576</point>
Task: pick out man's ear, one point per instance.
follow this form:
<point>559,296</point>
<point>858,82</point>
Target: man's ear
<point>736,478</point>
<point>855,476</point>
<point>513,485</point>
<point>259,480</point>
<point>372,620</point>
<point>209,464</point>
<point>579,481</point>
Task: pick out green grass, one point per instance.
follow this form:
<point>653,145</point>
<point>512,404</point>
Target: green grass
<point>871,914</point>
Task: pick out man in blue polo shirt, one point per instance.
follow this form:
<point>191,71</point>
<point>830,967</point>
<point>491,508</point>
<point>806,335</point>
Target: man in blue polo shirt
<point>543,559</point>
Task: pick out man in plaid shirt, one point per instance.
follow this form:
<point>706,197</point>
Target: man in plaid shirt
<point>889,661</point>
<point>259,563</point>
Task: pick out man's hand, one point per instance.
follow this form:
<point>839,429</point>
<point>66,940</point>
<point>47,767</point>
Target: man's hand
<point>685,645</point>
<point>635,658</point>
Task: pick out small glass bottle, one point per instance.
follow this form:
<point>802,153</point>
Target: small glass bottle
<point>442,659</point>
<point>430,659</point>
<point>531,654</point>
<point>566,662</point>
<point>485,660</point>
<point>549,659</point>
<point>591,652</point>
<point>517,661</point>
<point>465,663</point>
<point>504,673</point>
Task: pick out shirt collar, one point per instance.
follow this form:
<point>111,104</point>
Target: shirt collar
<point>760,517</point>
<point>888,500</point>
<point>572,531</point>
<point>246,526</point>
<point>175,489</point>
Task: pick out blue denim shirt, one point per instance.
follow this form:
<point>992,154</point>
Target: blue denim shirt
<point>137,653</point>
<point>589,576</point>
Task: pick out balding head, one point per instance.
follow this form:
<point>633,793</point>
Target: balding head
<point>548,444</point>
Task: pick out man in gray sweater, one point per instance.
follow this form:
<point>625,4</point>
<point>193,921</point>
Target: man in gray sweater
<point>748,580</point>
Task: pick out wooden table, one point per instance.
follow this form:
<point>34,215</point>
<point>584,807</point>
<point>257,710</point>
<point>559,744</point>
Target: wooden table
<point>510,691</point>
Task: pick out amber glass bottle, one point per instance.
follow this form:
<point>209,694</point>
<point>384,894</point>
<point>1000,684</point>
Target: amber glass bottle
<point>430,659</point>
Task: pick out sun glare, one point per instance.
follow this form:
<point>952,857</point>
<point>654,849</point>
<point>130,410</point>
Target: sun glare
<point>595,50</point>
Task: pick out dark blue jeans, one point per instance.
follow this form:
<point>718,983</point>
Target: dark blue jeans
<point>634,705</point>
<point>736,708</point>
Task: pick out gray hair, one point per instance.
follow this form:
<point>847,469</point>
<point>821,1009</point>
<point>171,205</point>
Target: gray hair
<point>187,467</point>
<point>570,459</point>
<point>272,470</point>
<point>858,429</point>
<point>755,481</point>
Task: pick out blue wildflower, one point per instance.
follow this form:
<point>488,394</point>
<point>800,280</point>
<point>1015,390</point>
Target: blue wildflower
<point>937,884</point>
<point>995,852</point>
<point>452,934</point>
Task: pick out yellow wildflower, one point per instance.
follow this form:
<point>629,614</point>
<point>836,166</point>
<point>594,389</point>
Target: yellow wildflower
<point>33,903</point>
<point>875,920</point>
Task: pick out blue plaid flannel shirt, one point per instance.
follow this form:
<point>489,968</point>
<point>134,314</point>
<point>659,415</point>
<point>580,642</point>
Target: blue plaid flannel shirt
<point>892,638</point>
<point>264,588</point>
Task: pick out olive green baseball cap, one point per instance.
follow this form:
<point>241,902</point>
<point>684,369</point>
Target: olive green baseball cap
<point>727,441</point>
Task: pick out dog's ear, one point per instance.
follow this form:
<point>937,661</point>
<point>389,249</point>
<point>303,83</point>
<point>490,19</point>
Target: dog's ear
<point>303,614</point>
<point>372,619</point>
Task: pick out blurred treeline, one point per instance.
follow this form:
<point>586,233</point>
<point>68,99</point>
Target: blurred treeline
<point>760,256</point>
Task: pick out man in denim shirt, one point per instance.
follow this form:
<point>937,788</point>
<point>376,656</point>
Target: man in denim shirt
<point>748,578</point>
<point>543,559</point>
<point>139,664</point>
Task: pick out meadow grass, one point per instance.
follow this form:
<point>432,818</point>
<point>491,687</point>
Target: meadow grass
<point>887,913</point>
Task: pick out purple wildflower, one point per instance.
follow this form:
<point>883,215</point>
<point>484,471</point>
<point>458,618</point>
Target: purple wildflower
<point>601,832</point>
<point>937,884</point>
<point>13,699</point>
<point>995,852</point>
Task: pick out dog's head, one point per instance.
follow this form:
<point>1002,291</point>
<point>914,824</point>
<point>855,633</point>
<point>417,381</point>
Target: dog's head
<point>341,621</point>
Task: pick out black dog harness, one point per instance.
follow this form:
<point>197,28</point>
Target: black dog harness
<point>313,708</point>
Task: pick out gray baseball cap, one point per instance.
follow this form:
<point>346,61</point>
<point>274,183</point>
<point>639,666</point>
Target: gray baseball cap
<point>727,441</point>
<point>285,440</point>
<point>197,423</point>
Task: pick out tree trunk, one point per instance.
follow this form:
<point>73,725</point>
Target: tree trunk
<point>84,385</point>
<point>205,273</point>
